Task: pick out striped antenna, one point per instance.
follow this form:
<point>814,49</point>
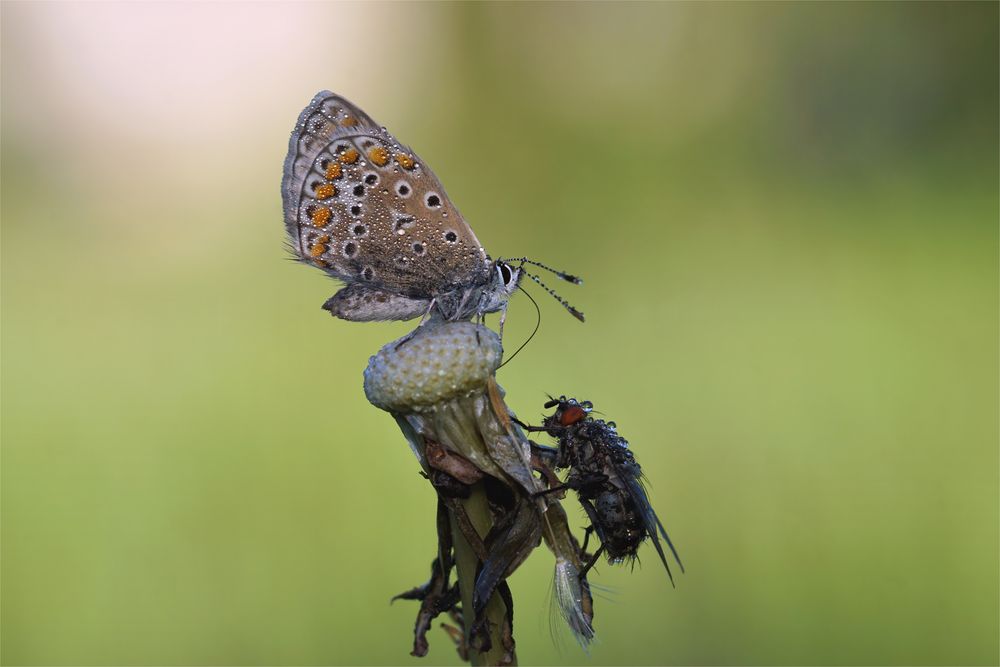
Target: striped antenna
<point>568,277</point>
<point>572,311</point>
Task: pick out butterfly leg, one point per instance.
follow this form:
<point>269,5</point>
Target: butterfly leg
<point>427,313</point>
<point>423,320</point>
<point>503,318</point>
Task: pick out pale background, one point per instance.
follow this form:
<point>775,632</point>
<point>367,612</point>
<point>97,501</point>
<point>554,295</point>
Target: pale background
<point>786,216</point>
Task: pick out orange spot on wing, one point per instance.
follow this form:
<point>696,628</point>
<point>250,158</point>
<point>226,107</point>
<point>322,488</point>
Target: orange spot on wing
<point>405,161</point>
<point>350,121</point>
<point>379,156</point>
<point>334,171</point>
<point>317,250</point>
<point>321,217</point>
<point>350,156</point>
<point>325,191</point>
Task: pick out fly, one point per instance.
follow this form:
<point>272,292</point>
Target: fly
<point>607,480</point>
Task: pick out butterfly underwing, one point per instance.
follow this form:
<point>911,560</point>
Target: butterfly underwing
<point>367,210</point>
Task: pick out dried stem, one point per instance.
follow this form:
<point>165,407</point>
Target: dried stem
<point>466,563</point>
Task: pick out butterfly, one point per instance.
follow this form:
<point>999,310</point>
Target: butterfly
<point>367,210</point>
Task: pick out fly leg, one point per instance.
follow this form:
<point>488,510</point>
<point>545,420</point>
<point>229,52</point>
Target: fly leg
<point>591,511</point>
<point>552,489</point>
<point>591,562</point>
<point>529,428</point>
<point>577,482</point>
<point>543,460</point>
<point>435,596</point>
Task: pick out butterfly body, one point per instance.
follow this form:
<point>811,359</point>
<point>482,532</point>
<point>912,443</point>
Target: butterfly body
<point>366,210</point>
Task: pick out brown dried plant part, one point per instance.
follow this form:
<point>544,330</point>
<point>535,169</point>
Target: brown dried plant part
<point>454,464</point>
<point>435,596</point>
<point>441,389</point>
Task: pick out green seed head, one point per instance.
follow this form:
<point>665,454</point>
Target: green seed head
<point>436,364</point>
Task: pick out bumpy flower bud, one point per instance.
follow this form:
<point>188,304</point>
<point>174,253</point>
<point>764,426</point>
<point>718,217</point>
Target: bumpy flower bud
<point>437,364</point>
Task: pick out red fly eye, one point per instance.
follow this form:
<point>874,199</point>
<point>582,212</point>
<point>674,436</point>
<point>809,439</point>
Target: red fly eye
<point>572,415</point>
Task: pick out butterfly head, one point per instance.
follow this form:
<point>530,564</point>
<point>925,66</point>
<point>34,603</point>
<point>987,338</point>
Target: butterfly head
<point>508,276</point>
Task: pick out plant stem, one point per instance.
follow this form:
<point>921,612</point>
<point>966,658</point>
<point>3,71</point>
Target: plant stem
<point>466,563</point>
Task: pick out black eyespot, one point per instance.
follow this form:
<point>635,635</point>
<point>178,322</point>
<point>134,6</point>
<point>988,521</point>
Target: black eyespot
<point>359,191</point>
<point>359,229</point>
<point>314,185</point>
<point>371,179</point>
<point>505,274</point>
<point>355,210</point>
<point>433,201</point>
<point>350,249</point>
<point>450,237</point>
<point>310,210</point>
<point>402,189</point>
<point>418,248</point>
<point>324,163</point>
<point>368,274</point>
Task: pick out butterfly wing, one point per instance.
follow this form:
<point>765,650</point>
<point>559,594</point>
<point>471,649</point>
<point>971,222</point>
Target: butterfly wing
<point>366,209</point>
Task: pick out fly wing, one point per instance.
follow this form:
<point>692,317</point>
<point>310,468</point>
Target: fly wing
<point>366,209</point>
<point>650,521</point>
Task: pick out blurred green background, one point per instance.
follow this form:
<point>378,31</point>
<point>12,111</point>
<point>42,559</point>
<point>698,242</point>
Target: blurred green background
<point>786,216</point>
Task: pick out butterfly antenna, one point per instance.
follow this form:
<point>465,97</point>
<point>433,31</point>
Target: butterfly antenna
<point>568,277</point>
<point>572,311</point>
<point>538,323</point>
